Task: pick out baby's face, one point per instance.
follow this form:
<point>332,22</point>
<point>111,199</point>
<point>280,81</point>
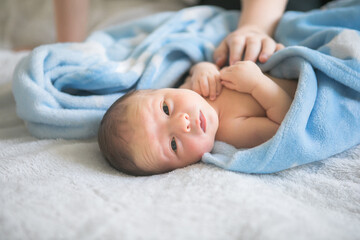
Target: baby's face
<point>173,128</point>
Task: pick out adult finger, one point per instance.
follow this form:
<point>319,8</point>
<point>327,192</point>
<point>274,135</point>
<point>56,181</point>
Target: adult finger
<point>253,48</point>
<point>236,48</point>
<point>268,48</point>
<point>220,54</point>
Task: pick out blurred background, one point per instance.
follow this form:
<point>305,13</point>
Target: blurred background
<point>26,24</point>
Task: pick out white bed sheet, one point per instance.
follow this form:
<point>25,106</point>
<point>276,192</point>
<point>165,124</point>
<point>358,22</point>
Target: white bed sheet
<point>63,189</point>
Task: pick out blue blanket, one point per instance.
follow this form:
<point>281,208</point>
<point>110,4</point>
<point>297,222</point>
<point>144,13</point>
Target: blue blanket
<point>62,90</point>
<point>323,53</point>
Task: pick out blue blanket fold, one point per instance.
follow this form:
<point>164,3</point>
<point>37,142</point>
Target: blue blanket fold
<point>63,90</point>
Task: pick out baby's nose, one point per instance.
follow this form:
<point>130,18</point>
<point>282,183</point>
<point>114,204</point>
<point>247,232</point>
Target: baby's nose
<point>184,121</point>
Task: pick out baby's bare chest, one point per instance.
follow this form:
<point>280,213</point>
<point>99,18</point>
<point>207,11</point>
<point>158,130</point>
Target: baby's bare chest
<point>235,108</point>
<point>239,105</point>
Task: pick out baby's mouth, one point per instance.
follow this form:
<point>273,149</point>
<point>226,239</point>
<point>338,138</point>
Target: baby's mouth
<point>202,122</point>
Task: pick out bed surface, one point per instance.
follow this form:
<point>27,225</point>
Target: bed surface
<point>63,189</point>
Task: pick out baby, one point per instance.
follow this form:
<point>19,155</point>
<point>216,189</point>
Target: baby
<point>155,131</point>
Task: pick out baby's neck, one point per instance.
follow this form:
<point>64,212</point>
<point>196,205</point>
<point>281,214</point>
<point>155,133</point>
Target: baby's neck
<point>215,104</point>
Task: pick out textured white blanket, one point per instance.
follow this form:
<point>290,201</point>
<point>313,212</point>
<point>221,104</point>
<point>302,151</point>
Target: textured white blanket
<point>58,189</point>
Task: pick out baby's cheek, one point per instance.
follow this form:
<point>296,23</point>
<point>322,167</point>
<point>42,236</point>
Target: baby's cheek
<point>199,147</point>
<point>193,148</point>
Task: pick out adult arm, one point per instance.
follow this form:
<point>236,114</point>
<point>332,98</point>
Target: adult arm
<point>71,20</point>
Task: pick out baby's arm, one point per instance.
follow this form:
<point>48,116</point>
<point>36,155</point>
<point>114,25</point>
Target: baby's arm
<point>204,78</point>
<point>254,131</point>
<point>247,77</point>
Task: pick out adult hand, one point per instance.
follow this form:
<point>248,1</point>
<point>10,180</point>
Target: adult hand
<point>245,43</point>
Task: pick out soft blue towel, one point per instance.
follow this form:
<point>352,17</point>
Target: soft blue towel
<point>62,90</point>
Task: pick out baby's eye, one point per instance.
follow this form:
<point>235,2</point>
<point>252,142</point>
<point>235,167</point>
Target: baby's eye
<point>165,108</point>
<point>173,144</point>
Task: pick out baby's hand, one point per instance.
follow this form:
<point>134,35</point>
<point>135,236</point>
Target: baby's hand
<point>205,80</point>
<point>243,76</point>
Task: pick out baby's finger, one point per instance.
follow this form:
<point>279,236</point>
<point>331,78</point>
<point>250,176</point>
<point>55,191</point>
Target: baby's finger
<point>236,47</point>
<point>196,87</point>
<point>226,69</point>
<point>204,86</point>
<point>279,46</point>
<point>268,48</point>
<point>212,88</point>
<point>220,54</point>
<point>253,48</point>
<point>228,84</point>
<point>226,74</point>
<point>218,85</point>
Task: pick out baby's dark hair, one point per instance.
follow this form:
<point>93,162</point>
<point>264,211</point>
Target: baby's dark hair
<point>114,139</point>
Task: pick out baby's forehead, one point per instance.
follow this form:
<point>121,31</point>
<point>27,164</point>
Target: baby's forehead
<point>141,96</point>
<point>142,99</point>
<point>141,119</point>
<point>139,112</point>
<point>150,93</point>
